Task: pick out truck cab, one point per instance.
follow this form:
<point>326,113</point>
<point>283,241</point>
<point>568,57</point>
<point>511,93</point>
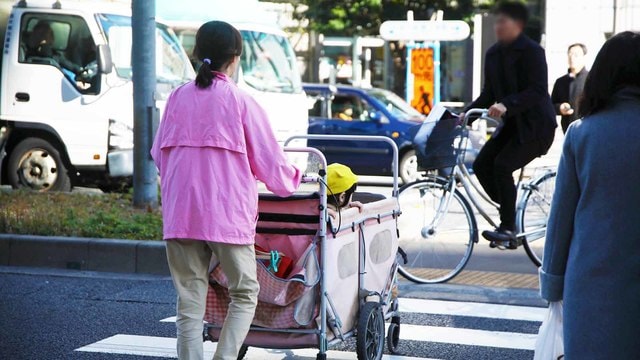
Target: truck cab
<point>66,104</point>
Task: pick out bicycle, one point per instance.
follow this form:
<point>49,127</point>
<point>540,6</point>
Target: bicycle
<point>443,206</point>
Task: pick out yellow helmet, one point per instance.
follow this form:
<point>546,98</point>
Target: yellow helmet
<point>340,178</point>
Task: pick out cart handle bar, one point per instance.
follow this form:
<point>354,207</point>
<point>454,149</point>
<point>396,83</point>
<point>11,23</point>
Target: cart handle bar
<point>394,147</point>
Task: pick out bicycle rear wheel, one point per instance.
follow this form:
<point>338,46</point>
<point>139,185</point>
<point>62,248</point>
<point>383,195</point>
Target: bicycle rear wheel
<point>534,213</point>
<point>437,231</point>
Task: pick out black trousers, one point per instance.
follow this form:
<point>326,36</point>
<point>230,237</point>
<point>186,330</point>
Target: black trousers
<point>494,167</point>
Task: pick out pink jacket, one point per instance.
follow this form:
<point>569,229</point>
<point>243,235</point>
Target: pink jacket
<point>210,148</point>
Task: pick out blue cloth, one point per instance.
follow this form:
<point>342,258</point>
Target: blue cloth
<point>592,252</point>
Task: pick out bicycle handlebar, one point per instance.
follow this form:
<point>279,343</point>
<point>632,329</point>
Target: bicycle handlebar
<point>483,114</point>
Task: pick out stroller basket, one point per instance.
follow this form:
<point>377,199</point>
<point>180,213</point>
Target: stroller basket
<point>282,302</point>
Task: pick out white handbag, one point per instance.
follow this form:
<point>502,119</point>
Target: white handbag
<point>550,341</point>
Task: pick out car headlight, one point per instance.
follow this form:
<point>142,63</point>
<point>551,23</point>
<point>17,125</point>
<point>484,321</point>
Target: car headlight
<point>120,135</point>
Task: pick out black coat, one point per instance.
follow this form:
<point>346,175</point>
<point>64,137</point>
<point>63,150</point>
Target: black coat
<point>521,85</point>
<point>567,89</point>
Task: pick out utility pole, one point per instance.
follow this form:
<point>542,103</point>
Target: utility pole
<point>145,113</point>
<point>615,17</point>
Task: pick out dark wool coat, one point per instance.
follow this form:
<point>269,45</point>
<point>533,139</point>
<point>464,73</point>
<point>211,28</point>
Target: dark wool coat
<point>592,250</point>
<point>516,75</point>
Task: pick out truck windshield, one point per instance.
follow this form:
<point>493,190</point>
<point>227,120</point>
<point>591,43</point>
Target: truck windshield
<point>172,65</point>
<point>269,64</point>
<point>395,104</point>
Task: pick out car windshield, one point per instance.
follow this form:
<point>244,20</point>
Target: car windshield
<point>269,63</point>
<point>172,65</point>
<point>395,104</point>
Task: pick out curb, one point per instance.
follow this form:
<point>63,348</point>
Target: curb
<point>88,254</point>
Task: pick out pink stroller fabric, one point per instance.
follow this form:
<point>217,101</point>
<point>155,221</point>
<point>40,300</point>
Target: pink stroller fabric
<point>279,301</point>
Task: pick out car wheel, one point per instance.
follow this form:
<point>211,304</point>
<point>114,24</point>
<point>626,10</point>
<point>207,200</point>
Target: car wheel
<point>36,164</point>
<point>409,167</point>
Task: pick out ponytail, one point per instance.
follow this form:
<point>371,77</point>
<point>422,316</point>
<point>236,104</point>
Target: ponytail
<point>205,75</point>
<point>217,45</point>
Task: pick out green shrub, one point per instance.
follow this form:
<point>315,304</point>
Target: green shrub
<point>77,214</point>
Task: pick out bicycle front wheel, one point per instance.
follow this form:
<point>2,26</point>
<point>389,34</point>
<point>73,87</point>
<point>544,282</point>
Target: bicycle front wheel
<point>534,213</point>
<point>437,231</point>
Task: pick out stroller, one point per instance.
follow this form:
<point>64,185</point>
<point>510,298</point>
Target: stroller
<point>342,273</point>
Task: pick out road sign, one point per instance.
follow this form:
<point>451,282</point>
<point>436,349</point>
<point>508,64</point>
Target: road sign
<point>444,30</point>
<point>422,69</point>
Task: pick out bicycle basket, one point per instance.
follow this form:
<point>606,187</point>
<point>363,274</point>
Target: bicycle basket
<point>435,142</point>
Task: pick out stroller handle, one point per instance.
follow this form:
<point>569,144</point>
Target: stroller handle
<point>394,147</point>
<point>483,114</point>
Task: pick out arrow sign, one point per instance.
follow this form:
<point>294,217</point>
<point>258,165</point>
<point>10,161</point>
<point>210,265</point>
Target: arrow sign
<point>444,30</point>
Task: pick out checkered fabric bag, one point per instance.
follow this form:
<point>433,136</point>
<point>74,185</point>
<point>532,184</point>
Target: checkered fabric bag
<point>267,315</point>
<point>282,303</point>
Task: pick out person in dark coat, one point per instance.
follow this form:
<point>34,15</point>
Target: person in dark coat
<point>516,90</point>
<point>568,88</point>
<point>592,251</point>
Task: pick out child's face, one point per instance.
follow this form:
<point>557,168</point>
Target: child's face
<point>344,200</point>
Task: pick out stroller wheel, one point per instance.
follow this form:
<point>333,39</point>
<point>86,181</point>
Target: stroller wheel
<point>370,338</point>
<point>393,338</point>
<point>243,352</point>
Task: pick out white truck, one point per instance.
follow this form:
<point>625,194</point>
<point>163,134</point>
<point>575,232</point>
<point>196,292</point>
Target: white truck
<point>268,68</point>
<point>66,103</point>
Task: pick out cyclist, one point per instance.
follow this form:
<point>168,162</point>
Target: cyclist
<point>515,90</point>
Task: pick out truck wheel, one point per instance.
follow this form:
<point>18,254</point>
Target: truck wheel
<point>409,167</point>
<point>36,164</point>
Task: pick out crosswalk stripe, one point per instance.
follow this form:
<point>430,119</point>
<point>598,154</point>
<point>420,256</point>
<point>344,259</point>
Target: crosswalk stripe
<point>472,337</point>
<point>163,347</point>
<point>460,308</point>
<point>166,348</point>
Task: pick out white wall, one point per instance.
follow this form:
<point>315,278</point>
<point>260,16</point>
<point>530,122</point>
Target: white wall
<point>585,21</point>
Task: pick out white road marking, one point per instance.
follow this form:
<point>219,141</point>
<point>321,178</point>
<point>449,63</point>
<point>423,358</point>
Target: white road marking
<point>166,348</point>
<point>472,337</point>
<point>460,308</point>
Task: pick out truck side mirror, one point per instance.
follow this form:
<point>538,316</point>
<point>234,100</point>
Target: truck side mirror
<point>105,64</point>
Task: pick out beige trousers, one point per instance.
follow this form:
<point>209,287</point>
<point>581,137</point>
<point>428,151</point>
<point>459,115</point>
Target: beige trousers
<point>189,265</point>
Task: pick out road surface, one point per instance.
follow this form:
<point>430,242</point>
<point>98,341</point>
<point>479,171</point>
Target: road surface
<point>70,315</point>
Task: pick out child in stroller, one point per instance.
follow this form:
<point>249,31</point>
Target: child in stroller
<point>342,184</point>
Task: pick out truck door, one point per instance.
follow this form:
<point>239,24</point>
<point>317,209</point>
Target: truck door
<point>53,80</point>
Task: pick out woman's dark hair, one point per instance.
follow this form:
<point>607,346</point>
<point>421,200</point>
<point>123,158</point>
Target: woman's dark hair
<point>513,9</point>
<point>332,199</point>
<point>217,44</point>
<point>617,65</point>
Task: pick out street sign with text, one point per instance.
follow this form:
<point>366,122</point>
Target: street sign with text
<point>422,69</point>
<point>444,30</point>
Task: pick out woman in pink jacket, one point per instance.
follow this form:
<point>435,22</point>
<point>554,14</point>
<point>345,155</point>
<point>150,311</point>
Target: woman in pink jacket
<point>213,143</point>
